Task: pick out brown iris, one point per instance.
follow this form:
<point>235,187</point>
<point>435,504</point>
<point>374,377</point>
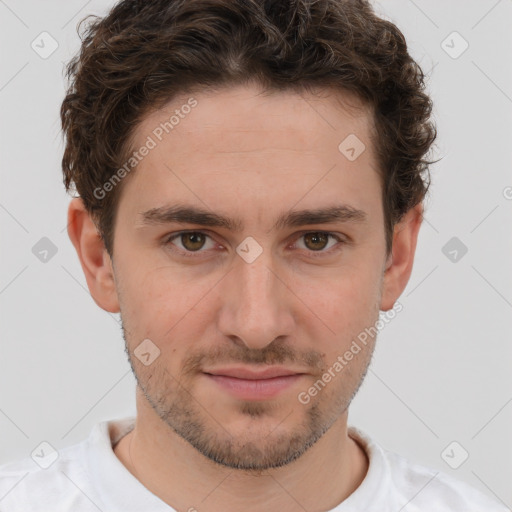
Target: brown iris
<point>318,240</point>
<point>193,241</point>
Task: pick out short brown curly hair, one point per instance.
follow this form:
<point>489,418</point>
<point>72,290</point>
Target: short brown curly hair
<point>145,52</point>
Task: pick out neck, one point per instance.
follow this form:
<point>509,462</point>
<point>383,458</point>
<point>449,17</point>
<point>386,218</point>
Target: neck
<point>172,469</point>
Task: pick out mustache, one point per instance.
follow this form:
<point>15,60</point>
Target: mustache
<point>272,354</point>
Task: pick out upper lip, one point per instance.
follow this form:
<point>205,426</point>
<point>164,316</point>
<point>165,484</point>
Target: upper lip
<point>252,374</point>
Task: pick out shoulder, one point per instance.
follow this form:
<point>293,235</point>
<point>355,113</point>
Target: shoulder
<point>418,488</point>
<point>71,479</point>
<point>426,487</point>
<point>38,485</point>
<point>61,480</point>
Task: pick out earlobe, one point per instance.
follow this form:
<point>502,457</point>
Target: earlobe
<point>399,264</point>
<point>95,261</point>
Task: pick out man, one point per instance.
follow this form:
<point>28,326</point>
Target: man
<point>250,179</point>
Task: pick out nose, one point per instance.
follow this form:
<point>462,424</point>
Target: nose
<point>256,303</point>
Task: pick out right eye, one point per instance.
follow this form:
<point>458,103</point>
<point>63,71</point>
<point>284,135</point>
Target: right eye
<point>191,242</point>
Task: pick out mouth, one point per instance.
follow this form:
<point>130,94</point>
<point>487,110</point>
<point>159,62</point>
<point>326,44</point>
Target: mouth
<point>250,384</point>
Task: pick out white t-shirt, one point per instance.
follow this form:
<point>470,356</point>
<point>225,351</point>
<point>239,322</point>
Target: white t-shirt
<point>88,477</point>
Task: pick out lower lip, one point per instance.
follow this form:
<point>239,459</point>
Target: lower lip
<point>259,389</point>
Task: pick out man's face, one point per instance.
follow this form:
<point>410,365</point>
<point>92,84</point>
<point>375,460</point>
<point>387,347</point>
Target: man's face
<point>214,305</point>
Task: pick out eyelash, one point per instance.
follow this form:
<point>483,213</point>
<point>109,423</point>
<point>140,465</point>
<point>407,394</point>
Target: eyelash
<point>167,241</point>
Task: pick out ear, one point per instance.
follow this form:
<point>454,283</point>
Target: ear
<point>399,263</point>
<point>94,258</point>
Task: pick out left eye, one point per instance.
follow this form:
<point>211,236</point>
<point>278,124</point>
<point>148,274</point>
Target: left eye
<point>193,241</point>
<point>318,240</point>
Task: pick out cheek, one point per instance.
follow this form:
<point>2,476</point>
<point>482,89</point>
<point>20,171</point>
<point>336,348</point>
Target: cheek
<point>153,292</point>
<point>349,297</point>
<point>343,309</point>
<point>165,309</point>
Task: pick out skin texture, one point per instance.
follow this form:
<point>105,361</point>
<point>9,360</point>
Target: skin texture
<point>299,304</point>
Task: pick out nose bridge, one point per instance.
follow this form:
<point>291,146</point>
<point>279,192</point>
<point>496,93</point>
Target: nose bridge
<point>255,308</point>
<point>256,282</point>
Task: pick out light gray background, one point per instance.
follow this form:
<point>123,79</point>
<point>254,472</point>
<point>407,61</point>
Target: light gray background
<point>442,368</point>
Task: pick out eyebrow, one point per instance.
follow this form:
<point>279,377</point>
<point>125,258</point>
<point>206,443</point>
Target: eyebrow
<point>188,214</point>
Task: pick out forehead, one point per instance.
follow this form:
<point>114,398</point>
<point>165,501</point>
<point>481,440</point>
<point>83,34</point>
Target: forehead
<point>300,116</point>
<point>238,143</point>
